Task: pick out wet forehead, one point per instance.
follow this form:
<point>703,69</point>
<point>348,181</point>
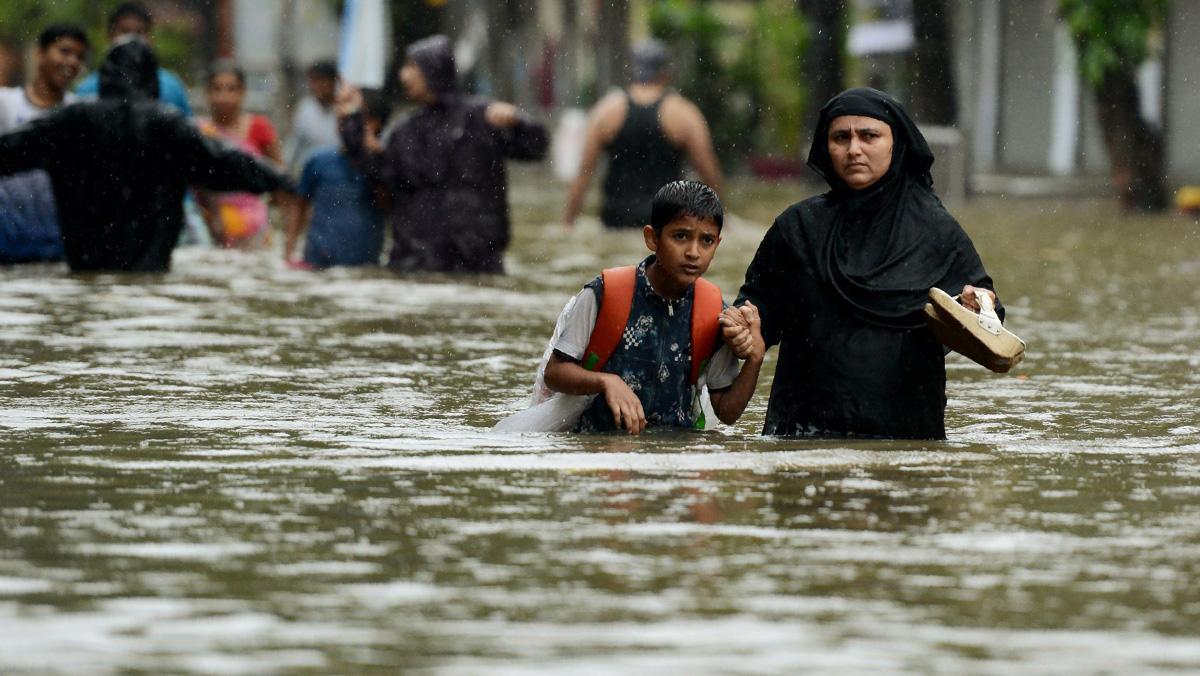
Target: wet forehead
<point>856,123</point>
<point>688,222</point>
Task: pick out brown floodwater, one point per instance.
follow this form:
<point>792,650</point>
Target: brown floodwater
<point>242,468</point>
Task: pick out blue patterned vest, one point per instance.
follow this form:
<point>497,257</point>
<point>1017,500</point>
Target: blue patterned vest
<point>654,358</point>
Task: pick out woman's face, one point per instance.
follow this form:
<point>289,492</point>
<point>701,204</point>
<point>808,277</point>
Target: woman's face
<point>226,94</point>
<point>415,86</point>
<point>860,148</point>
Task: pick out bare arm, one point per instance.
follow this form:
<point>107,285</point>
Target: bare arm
<point>688,128</point>
<point>606,119</point>
<point>741,328</point>
<point>299,211</point>
<point>568,377</point>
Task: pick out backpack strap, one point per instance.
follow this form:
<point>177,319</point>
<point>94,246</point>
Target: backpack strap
<point>706,315</point>
<point>611,318</point>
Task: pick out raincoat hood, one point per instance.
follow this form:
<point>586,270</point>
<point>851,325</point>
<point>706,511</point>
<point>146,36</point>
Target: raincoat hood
<point>434,55</point>
<point>910,152</point>
<point>129,72</point>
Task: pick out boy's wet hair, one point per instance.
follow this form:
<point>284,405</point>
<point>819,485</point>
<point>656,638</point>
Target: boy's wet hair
<point>376,105</point>
<point>125,9</point>
<point>322,70</point>
<point>224,66</point>
<point>685,198</point>
<point>57,31</point>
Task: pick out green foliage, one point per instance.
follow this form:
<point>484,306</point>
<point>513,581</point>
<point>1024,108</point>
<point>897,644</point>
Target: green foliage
<point>749,84</point>
<point>176,42</point>
<point>778,46</point>
<point>1112,34</point>
<point>694,34</point>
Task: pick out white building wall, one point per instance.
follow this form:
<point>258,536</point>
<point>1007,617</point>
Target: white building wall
<point>1183,94</point>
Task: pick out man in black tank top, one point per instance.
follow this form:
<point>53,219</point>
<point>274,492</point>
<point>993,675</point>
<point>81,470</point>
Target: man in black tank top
<point>646,131</point>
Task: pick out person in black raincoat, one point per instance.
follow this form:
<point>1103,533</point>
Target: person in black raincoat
<point>840,281</point>
<point>443,166</point>
<point>120,165</point>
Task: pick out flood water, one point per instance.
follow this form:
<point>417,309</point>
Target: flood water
<point>241,468</point>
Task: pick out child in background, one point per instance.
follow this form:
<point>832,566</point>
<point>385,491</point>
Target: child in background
<point>238,220</point>
<point>338,204</point>
<point>645,338</point>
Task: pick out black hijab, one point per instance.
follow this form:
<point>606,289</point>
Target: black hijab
<point>881,248</point>
<point>129,72</point>
<point>434,55</point>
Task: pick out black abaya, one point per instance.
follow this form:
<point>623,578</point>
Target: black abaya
<point>840,280</point>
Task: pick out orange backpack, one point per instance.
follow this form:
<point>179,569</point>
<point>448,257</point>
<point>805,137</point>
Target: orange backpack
<point>613,316</point>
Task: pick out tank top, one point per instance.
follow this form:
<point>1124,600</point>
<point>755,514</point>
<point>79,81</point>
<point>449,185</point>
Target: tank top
<point>641,160</point>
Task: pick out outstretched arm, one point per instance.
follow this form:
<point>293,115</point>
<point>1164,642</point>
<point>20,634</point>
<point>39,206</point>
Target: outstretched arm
<point>568,377</point>
<point>608,114</point>
<point>218,166</point>
<point>697,143</point>
<point>522,137</point>
<point>30,146</point>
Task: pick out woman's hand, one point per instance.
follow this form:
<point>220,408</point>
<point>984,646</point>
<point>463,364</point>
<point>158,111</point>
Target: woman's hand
<point>625,406</point>
<point>968,299</point>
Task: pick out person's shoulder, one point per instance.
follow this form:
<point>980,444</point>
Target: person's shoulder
<point>169,78</point>
<point>89,85</point>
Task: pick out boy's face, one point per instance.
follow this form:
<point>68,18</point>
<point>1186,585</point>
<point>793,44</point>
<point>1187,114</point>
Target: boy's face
<point>60,62</point>
<point>129,25</point>
<point>684,249</point>
<point>322,88</point>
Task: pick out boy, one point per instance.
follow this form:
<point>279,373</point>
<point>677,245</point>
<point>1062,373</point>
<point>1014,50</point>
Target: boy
<point>28,221</point>
<point>338,204</point>
<point>650,377</point>
<point>314,126</point>
<point>134,18</point>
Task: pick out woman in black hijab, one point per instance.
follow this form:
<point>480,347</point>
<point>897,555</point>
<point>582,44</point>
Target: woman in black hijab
<point>443,166</point>
<point>840,281</point>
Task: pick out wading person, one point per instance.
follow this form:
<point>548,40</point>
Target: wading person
<point>443,166</point>
<point>237,220</point>
<point>28,220</point>
<point>337,205</point>
<point>646,130</point>
<point>841,279</point>
<point>646,338</point>
<point>314,126</point>
<point>119,167</point>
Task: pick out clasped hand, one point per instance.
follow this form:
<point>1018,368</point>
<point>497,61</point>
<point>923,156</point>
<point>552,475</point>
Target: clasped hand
<point>741,327</point>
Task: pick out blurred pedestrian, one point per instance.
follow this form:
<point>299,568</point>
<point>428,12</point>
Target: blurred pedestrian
<point>28,220</point>
<point>646,130</point>
<point>134,18</point>
<point>338,205</point>
<point>841,279</point>
<point>443,166</point>
<point>314,126</point>
<point>237,220</point>
<point>119,166</point>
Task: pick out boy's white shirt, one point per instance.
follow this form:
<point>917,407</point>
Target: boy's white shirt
<point>578,319</point>
<point>16,109</point>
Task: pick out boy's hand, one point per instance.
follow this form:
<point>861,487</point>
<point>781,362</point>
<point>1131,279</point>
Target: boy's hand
<point>625,406</point>
<point>741,327</point>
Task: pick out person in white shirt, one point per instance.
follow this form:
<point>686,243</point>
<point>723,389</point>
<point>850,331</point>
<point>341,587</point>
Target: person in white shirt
<point>314,126</point>
<point>28,220</point>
